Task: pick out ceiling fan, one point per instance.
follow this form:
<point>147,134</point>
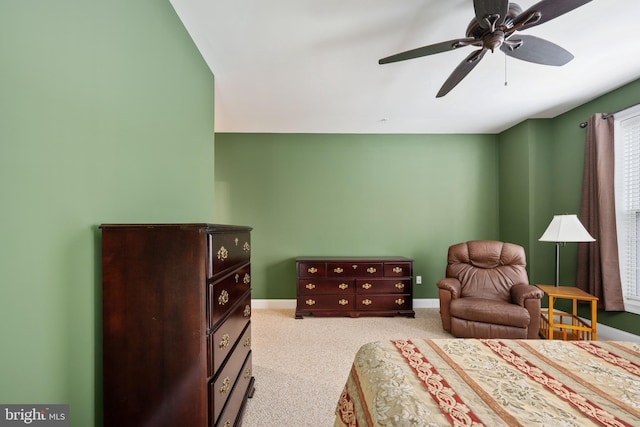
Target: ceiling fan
<point>493,27</point>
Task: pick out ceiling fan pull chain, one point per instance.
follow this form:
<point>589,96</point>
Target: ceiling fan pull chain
<point>505,70</point>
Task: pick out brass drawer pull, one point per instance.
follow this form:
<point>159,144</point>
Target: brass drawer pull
<point>247,279</point>
<point>247,373</point>
<point>399,301</point>
<point>247,342</point>
<point>225,385</point>
<point>367,302</point>
<point>397,269</point>
<point>223,253</point>
<point>224,342</point>
<point>223,298</point>
<point>343,302</point>
<point>343,286</point>
<point>312,270</point>
<point>246,247</point>
<point>247,310</point>
<point>310,302</point>
<point>310,286</point>
<point>367,286</point>
<point>371,270</point>
<point>338,270</point>
<point>400,285</point>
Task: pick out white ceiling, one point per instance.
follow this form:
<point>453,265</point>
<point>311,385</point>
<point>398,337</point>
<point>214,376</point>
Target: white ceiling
<point>311,66</point>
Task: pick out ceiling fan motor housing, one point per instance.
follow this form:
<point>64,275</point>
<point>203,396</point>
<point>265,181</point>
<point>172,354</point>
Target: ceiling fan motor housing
<point>475,29</point>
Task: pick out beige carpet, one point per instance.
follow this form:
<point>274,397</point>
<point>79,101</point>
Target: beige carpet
<point>301,365</point>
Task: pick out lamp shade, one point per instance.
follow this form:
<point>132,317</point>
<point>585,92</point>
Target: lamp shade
<point>566,228</point>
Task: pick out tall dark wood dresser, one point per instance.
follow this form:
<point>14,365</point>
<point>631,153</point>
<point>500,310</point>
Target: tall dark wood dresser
<point>176,301</point>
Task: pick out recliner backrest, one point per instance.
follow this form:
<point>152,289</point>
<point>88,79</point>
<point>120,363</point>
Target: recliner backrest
<point>487,268</point>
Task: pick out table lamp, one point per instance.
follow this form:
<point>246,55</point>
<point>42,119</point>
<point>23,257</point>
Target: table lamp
<point>562,229</point>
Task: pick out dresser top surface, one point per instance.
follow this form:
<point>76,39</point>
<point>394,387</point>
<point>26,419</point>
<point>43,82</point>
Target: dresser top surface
<point>353,259</point>
<point>183,226</point>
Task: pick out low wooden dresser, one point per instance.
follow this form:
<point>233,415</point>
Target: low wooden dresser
<point>354,286</point>
<point>176,311</point>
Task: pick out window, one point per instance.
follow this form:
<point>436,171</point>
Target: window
<point>627,192</point>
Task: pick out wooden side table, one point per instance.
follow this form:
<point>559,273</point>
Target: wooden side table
<point>565,326</point>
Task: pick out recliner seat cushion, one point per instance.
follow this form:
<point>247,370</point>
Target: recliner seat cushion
<point>490,311</point>
<point>467,329</point>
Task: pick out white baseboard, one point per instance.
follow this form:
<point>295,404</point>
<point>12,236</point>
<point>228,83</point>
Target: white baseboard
<point>426,303</point>
<point>279,304</point>
<point>274,304</point>
<point>605,333</point>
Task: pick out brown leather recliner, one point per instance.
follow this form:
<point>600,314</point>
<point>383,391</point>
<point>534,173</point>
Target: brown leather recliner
<point>486,292</point>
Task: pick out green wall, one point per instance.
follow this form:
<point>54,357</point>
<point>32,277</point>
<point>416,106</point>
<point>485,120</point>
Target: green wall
<point>407,195</point>
<point>525,178</point>
<point>515,192</point>
<point>106,115</point>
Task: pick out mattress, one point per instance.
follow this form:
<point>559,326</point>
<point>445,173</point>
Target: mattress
<point>475,382</point>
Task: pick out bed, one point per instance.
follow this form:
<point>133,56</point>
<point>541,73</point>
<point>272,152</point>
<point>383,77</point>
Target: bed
<point>474,382</point>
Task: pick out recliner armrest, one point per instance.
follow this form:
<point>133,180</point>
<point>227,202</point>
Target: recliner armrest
<point>522,292</point>
<point>452,285</point>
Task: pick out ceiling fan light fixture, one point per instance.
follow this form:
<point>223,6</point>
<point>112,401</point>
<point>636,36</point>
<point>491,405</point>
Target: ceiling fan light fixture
<point>494,40</point>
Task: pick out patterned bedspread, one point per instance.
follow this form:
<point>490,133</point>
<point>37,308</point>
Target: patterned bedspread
<point>470,382</point>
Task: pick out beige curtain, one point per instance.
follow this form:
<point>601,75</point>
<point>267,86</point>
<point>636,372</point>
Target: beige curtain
<point>598,271</point>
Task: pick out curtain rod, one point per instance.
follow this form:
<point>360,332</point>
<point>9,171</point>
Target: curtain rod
<point>606,115</point>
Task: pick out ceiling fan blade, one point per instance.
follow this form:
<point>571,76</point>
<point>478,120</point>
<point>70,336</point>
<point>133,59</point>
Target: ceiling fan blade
<point>488,8</point>
<point>461,71</point>
<point>430,50</point>
<point>548,9</point>
<point>537,50</point>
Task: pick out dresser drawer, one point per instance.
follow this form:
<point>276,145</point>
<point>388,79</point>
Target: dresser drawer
<point>225,293</point>
<point>222,387</point>
<point>237,399</point>
<point>326,286</point>
<point>217,350</point>
<point>227,250</point>
<point>326,302</point>
<point>312,269</point>
<point>397,269</point>
<point>353,269</point>
<point>383,286</point>
<point>384,302</point>
<point>224,338</point>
